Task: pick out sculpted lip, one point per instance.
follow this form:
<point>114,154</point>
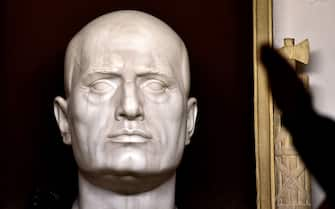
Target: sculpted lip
<point>129,136</point>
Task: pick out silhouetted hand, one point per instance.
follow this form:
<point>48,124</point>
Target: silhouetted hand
<point>287,89</point>
<point>312,133</point>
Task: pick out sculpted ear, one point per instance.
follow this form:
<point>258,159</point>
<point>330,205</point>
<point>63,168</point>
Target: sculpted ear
<point>61,114</point>
<point>192,111</point>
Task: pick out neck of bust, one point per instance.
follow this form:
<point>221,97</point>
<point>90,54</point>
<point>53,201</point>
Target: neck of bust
<point>93,197</point>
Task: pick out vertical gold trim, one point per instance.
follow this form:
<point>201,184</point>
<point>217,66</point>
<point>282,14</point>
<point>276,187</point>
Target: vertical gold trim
<point>263,108</point>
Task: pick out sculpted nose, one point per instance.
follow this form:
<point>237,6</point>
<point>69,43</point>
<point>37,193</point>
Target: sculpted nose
<point>130,106</point>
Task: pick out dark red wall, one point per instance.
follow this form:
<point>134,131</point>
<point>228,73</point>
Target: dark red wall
<point>218,168</point>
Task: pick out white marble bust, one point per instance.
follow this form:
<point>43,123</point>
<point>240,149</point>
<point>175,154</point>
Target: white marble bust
<point>127,113</point>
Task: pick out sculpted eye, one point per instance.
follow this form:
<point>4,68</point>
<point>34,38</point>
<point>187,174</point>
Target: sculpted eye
<point>155,86</point>
<point>102,86</point>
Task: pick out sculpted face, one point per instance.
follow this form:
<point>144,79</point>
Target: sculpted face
<point>127,111</point>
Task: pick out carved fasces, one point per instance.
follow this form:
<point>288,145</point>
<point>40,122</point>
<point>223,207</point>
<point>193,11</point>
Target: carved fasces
<point>293,187</point>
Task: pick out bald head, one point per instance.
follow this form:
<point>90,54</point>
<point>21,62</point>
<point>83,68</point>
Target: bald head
<point>93,46</point>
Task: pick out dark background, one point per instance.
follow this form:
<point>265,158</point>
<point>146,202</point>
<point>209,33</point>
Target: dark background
<point>218,169</point>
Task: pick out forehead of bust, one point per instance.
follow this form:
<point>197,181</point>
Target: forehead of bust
<point>125,30</point>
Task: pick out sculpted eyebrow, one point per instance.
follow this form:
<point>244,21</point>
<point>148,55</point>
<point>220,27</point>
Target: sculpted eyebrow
<point>107,70</point>
<point>154,75</point>
<point>94,75</point>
